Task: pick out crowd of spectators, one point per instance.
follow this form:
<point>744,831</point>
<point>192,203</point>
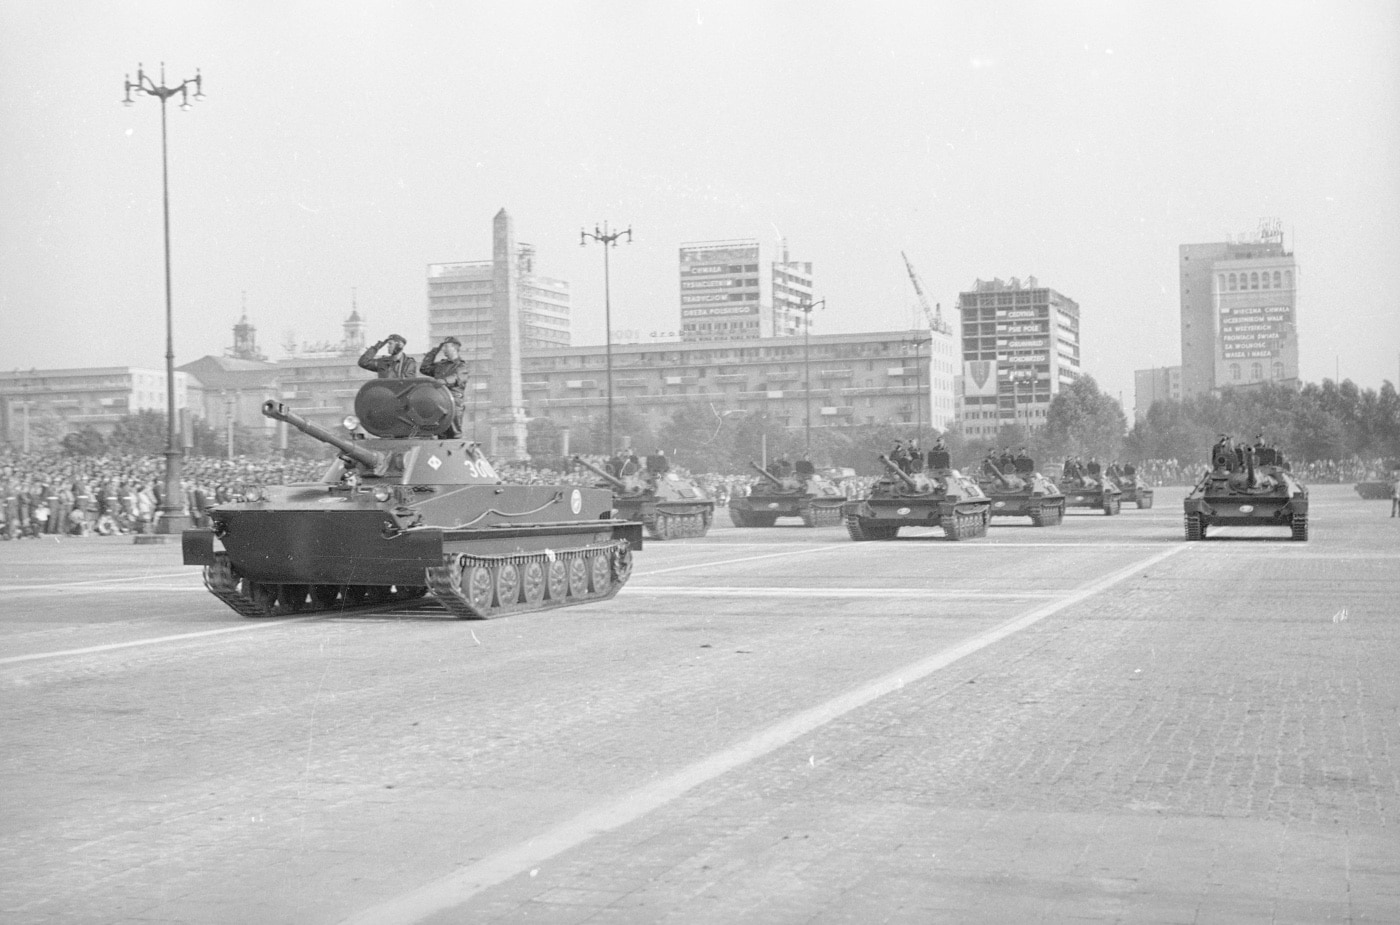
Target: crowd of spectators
<point>58,494</point>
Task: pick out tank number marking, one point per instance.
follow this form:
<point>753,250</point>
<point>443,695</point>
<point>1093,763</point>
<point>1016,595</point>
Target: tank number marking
<point>434,462</point>
<point>576,501</point>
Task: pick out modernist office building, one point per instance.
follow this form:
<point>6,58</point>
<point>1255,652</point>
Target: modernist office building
<point>1020,346</point>
<point>1239,304</point>
<point>728,293</point>
<point>1161,383</point>
<point>460,304</point>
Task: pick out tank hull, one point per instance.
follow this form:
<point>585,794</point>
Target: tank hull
<point>1374,491</point>
<point>763,509</point>
<point>877,518</point>
<point>1036,498</point>
<point>1215,502</point>
<point>665,519</point>
<point>319,547</point>
<point>1104,496</point>
<point>1136,491</point>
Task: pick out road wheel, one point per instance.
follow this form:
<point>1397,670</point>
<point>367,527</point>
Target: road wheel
<point>507,584</point>
<point>479,586</point>
<point>532,580</point>
<point>557,580</point>
<point>578,576</point>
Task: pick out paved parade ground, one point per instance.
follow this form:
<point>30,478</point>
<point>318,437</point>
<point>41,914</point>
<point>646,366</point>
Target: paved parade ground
<point>1095,722</point>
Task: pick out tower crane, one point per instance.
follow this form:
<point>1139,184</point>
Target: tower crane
<point>935,314</point>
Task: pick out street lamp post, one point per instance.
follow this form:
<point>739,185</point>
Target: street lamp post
<point>172,518</point>
<point>807,363</point>
<point>608,239</point>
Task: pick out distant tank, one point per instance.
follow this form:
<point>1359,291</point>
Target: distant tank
<point>1250,489</point>
<point>1379,489</point>
<point>670,505</point>
<point>941,497</point>
<point>804,494</point>
<point>1097,491</point>
<point>1023,493</point>
<point>1135,489</point>
<point>408,514</point>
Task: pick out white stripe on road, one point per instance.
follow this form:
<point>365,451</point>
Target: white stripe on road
<point>458,887</point>
<point>920,594</point>
<point>263,623</point>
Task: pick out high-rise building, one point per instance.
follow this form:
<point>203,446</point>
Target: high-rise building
<point>1160,383</point>
<point>728,294</point>
<point>1238,313</point>
<point>1020,346</point>
<point>460,298</point>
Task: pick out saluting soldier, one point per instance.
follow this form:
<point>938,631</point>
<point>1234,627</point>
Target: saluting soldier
<point>393,365</point>
<point>451,371</point>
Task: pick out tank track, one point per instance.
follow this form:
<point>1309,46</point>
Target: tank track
<point>1144,503</point>
<point>860,531</point>
<point>1048,515</point>
<point>965,525</point>
<point>267,599</point>
<point>673,525</point>
<point>481,587</point>
<point>1195,528</point>
<point>1112,506</point>
<point>1300,527</point>
<point>822,515</point>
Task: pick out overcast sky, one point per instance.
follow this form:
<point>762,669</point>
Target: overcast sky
<point>344,146</point>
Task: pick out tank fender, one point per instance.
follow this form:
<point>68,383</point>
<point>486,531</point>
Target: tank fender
<point>197,547</point>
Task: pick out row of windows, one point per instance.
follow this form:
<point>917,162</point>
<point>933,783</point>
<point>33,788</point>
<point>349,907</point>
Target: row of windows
<point>1256,370</point>
<point>1233,282</point>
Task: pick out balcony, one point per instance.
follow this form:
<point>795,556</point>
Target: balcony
<point>784,377</point>
<point>835,374</point>
<point>581,383</point>
<point>538,386</point>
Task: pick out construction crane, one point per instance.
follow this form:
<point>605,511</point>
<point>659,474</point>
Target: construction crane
<point>934,314</point>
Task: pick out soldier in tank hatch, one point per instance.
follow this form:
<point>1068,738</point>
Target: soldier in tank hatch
<point>393,365</point>
<point>451,371</point>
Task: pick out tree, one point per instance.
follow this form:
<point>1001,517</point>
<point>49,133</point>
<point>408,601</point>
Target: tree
<point>139,434</point>
<point>1082,421</point>
<point>85,442</point>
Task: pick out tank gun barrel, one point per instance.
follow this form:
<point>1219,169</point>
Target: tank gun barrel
<point>904,477</point>
<point>365,457</point>
<point>997,473</point>
<point>601,473</point>
<point>766,474</point>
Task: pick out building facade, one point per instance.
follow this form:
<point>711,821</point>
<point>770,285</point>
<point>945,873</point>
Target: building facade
<point>1160,383</point>
<point>79,398</point>
<point>460,299</point>
<point>1239,303</point>
<point>728,293</point>
<point>1020,346</point>
<point>855,379</point>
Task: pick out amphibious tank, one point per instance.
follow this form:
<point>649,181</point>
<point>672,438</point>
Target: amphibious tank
<point>940,497</point>
<point>670,505</point>
<point>1249,489</point>
<point>1022,493</point>
<point>406,513</point>
<point>804,494</point>
<point>1091,491</point>
<point>1135,489</point>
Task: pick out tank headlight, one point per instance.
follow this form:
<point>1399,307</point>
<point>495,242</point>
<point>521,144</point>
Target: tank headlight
<point>351,423</point>
<point>383,493</point>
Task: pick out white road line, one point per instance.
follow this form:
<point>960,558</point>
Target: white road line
<point>458,887</point>
<point>263,623</point>
<point>711,563</point>
<point>922,594</point>
<point>97,581</point>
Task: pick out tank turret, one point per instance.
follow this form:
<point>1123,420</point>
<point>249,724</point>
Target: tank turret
<point>406,514</point>
<point>1025,493</point>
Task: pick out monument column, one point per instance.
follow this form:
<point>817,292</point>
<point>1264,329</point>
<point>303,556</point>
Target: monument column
<point>507,414</point>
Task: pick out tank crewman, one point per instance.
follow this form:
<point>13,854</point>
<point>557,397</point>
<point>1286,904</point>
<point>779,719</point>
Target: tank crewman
<point>1006,461</point>
<point>451,371</point>
<point>804,468</point>
<point>937,457</point>
<point>614,466</point>
<point>1024,463</point>
<point>900,456</point>
<point>1094,469</point>
<point>1130,470</point>
<point>1222,455</point>
<point>989,463</point>
<point>916,458</point>
<point>631,465</point>
<point>658,464</point>
<point>395,364</point>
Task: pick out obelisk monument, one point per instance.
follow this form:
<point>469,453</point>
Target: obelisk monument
<point>507,414</point>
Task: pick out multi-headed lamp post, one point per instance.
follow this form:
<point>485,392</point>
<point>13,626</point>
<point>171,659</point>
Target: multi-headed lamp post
<point>807,308</point>
<point>172,516</point>
<point>608,239</point>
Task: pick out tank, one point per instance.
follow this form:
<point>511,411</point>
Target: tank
<point>668,504</point>
<point>1256,492</point>
<point>1135,490</point>
<point>940,497</point>
<point>808,495</point>
<point>1378,489</point>
<point>1022,493</point>
<point>1090,491</point>
<point>406,513</point>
